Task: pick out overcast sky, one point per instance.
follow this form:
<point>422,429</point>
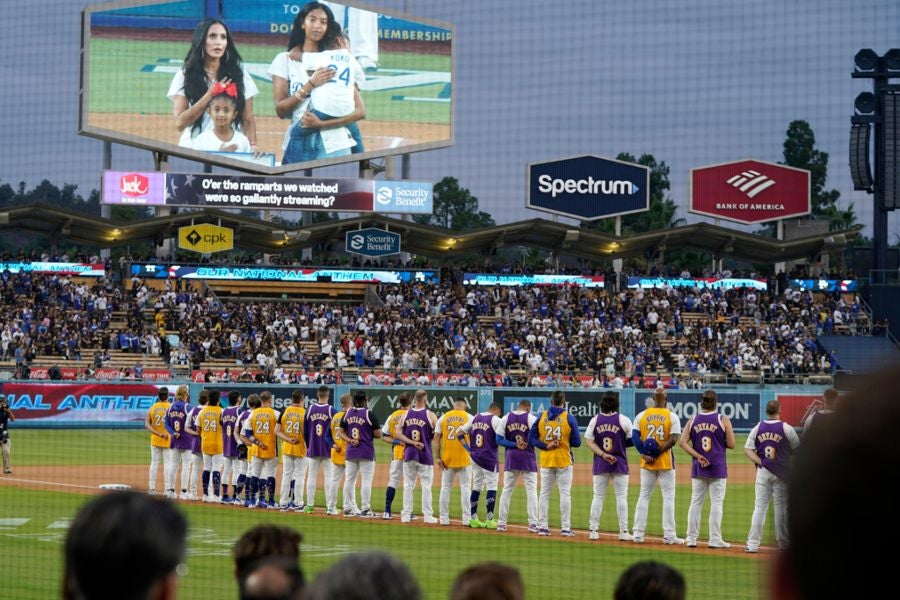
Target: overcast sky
<point>692,82</point>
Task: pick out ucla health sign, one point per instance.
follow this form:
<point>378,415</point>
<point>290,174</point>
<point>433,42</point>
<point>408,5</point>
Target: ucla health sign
<point>588,187</point>
<point>373,242</point>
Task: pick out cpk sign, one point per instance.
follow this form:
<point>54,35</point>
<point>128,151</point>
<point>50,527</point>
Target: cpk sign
<point>588,187</point>
<point>750,191</point>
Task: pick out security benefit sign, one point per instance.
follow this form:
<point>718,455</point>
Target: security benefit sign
<point>750,191</point>
<point>742,408</point>
<point>373,242</point>
<point>205,238</point>
<point>588,187</point>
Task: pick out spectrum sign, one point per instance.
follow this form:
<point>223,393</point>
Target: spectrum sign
<point>588,187</point>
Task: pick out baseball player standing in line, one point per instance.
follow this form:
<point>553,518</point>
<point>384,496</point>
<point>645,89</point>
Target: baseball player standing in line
<point>416,430</point>
<point>232,470</point>
<point>607,435</point>
<point>769,446</point>
<point>338,461</point>
<point>161,452</point>
<point>317,433</point>
<point>176,422</point>
<point>290,429</point>
<point>259,432</point>
<point>359,428</point>
<point>486,462</point>
<point>451,447</point>
<point>512,434</point>
<point>706,437</point>
<point>555,433</point>
<point>656,431</point>
<point>209,424</point>
<point>388,434</point>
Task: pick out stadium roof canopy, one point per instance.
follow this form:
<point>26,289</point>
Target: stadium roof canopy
<point>61,224</point>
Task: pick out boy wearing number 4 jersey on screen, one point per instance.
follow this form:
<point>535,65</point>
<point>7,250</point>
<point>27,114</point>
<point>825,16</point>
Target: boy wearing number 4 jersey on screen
<point>335,98</point>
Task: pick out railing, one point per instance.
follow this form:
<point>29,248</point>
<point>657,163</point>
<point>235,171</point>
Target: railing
<point>421,377</point>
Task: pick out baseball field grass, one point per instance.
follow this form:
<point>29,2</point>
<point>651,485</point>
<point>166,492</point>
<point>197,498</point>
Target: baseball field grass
<point>34,514</point>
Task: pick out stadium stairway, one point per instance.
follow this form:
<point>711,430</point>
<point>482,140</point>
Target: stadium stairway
<point>860,353</point>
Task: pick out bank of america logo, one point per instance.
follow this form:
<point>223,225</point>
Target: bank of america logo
<point>751,183</point>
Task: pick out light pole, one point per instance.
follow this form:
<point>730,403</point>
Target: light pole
<point>881,109</point>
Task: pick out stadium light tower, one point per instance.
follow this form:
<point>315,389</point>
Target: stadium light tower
<point>878,110</point>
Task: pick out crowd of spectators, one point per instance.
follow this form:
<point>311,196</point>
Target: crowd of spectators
<point>525,335</point>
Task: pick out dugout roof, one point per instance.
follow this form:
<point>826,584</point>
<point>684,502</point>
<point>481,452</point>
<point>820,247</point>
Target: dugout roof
<point>61,224</point>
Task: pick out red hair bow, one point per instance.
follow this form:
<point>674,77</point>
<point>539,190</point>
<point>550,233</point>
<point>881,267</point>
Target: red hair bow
<point>230,89</point>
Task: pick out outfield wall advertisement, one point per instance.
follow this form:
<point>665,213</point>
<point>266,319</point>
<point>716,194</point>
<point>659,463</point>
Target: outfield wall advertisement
<point>281,394</point>
<point>115,405</point>
<point>584,405</point>
<point>80,404</point>
<point>742,408</point>
<point>384,401</point>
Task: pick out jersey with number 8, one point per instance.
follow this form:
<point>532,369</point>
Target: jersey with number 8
<point>708,438</point>
<point>774,449</point>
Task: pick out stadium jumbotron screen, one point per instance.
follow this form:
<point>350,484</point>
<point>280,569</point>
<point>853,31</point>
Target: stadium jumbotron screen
<point>311,86</point>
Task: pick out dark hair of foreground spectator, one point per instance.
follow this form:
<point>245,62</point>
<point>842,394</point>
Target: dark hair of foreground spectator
<point>488,581</point>
<point>649,580</point>
<point>265,541</point>
<point>273,578</point>
<point>372,575</point>
<point>123,545</point>
<point>837,473</point>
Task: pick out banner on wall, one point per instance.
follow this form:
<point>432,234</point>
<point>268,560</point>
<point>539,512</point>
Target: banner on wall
<point>384,401</point>
<point>101,404</point>
<point>742,408</point>
<point>793,406</point>
<point>281,394</point>
<point>583,405</point>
